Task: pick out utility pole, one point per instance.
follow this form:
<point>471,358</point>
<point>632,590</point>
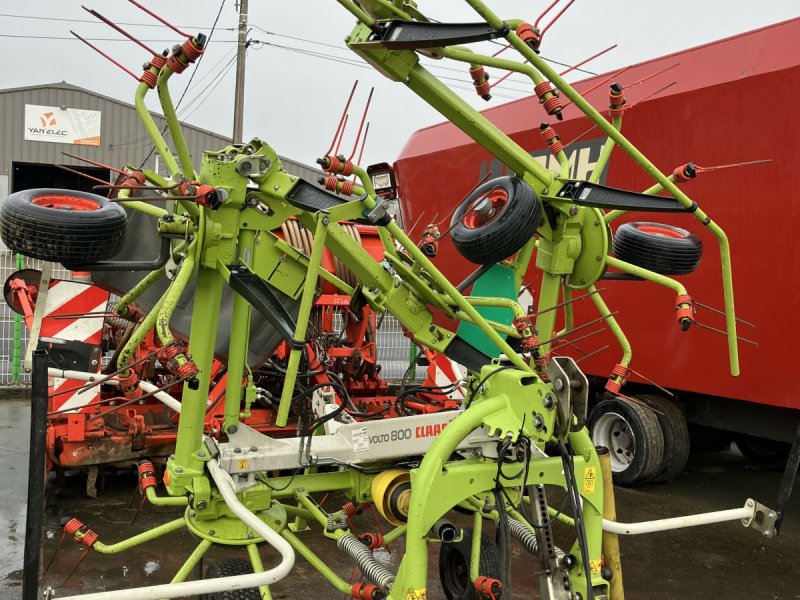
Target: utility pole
<point>238,107</point>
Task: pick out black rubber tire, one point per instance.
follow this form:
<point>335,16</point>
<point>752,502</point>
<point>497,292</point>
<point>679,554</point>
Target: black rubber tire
<point>454,565</point>
<point>640,442</point>
<point>665,249</point>
<point>58,234</point>
<point>770,454</point>
<point>227,568</point>
<point>512,227</point>
<point>676,435</point>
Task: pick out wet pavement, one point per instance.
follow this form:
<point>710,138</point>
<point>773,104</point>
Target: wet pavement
<point>717,561</point>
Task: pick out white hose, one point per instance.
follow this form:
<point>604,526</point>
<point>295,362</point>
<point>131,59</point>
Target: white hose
<point>148,387</point>
<point>221,584</point>
<point>719,516</point>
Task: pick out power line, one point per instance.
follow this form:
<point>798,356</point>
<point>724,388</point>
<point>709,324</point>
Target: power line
<point>64,19</point>
<point>358,63</point>
<point>55,37</point>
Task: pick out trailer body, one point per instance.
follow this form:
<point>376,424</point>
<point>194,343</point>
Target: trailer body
<point>733,100</point>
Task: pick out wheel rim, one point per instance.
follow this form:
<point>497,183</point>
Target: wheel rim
<point>486,209</point>
<point>614,432</point>
<point>64,202</point>
<point>660,231</point>
<point>456,573</point>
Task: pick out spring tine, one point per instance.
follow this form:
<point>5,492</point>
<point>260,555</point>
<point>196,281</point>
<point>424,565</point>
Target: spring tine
<point>593,353</point>
<point>138,510</point>
<point>414,226</point>
<point>725,333</point>
<point>579,327</point>
<point>95,163</point>
<point>639,402</point>
<point>558,16</point>
<point>341,136</point>
<point>648,380</point>
<point>76,172</point>
<point>361,125</point>
<point>75,568</point>
<point>597,85</point>
<point>159,19</point>
<point>55,552</point>
<point>570,301</point>
<point>586,60</point>
<point>720,312</point>
<point>583,337</point>
<point>119,29</point>
<point>104,55</point>
<point>134,497</point>
<point>585,133</point>
<point>342,118</point>
<point>730,166</point>
<point>544,12</point>
<point>647,77</point>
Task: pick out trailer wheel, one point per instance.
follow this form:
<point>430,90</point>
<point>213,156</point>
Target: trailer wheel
<point>63,226</point>
<point>228,568</point>
<point>632,434</point>
<point>770,454</point>
<point>676,435</point>
<point>661,248</point>
<point>497,219</point>
<point>454,561</point>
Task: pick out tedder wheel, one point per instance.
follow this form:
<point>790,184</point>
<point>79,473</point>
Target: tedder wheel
<point>454,565</point>
<point>661,248</point>
<point>497,219</point>
<point>228,568</point>
<point>633,437</point>
<point>676,435</point>
<point>63,226</point>
<point>770,454</point>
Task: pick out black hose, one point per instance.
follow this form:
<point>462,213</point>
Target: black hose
<point>580,527</point>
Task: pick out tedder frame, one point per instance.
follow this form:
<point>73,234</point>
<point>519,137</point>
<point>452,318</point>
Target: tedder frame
<point>521,426</point>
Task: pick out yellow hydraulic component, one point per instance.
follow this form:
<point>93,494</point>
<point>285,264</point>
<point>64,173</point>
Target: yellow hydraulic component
<point>391,492</point>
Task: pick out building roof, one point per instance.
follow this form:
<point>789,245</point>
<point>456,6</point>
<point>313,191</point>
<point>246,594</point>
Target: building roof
<point>63,85</point>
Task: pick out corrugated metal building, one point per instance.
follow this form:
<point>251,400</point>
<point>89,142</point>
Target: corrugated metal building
<point>40,122</point>
<point>117,138</point>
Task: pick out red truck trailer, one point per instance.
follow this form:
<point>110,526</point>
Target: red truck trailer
<point>732,101</point>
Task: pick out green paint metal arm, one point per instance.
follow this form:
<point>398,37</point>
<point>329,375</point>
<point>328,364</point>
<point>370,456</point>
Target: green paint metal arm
<point>143,207</point>
<point>448,288</point>
<point>174,293</point>
<point>366,185</point>
<point>152,129</point>
<point>121,307</point>
<point>476,126</point>
<point>578,100</point>
<point>605,152</point>
<point>129,350</point>
<point>358,12</point>
<point>157,500</point>
<point>316,562</point>
<point>619,334</point>
<point>175,131</point>
<point>650,168</point>
<point>136,540</point>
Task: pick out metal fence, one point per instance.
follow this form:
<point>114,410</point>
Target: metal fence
<point>13,333</point>
<point>394,348</point>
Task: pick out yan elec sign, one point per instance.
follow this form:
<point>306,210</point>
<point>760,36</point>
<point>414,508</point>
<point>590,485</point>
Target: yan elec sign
<point>63,126</point>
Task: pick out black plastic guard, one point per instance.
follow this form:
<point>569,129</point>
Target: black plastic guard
<point>309,197</point>
<point>595,195</point>
<point>409,35</point>
<point>466,354</point>
<point>264,299</point>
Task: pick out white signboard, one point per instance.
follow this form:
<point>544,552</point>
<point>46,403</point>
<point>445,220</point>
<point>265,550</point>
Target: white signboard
<point>63,126</point>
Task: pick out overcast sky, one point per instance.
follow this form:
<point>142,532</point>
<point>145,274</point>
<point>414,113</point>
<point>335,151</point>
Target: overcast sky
<point>297,83</point>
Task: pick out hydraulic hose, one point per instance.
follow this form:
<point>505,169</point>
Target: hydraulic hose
<point>221,584</point>
<point>371,568</point>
